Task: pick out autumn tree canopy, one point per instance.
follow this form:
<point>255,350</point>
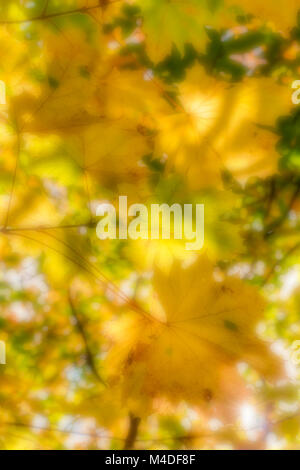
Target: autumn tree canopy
<point>124,343</point>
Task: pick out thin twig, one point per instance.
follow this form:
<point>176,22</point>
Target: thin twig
<point>51,15</point>
<point>41,228</point>
<point>89,355</point>
<point>280,262</point>
<point>280,221</point>
<point>106,283</point>
<point>271,197</point>
<point>43,16</point>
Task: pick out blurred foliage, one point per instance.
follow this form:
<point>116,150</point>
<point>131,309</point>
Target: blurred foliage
<point>122,343</point>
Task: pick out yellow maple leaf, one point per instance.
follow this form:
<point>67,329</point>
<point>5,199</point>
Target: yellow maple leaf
<point>58,101</point>
<point>219,125</point>
<point>200,329</point>
<point>111,152</point>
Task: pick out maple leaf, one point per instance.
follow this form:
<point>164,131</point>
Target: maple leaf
<point>57,100</point>
<point>171,22</point>
<point>189,349</point>
<point>213,122</point>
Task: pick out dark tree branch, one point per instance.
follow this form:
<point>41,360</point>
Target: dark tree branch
<point>130,439</point>
<point>280,221</point>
